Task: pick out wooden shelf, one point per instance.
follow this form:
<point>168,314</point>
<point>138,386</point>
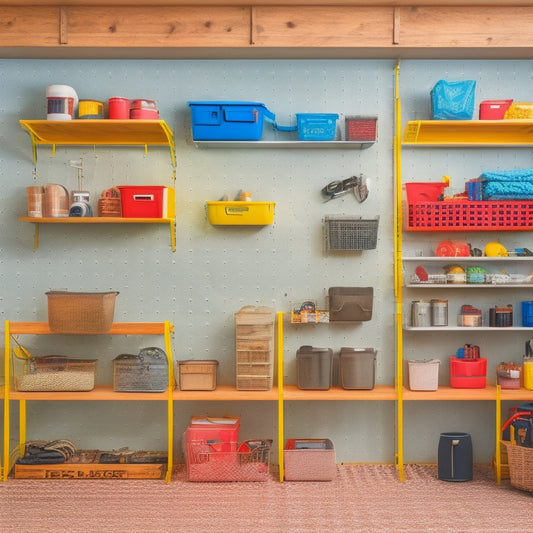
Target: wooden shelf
<point>469,133</point>
<point>171,222</point>
<point>226,393</point>
<point>99,393</point>
<point>100,132</point>
<point>117,328</point>
<point>378,393</point>
<point>450,394</point>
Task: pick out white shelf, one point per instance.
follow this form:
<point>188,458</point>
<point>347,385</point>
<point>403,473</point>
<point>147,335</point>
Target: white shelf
<point>346,145</point>
<point>467,259</point>
<point>469,285</point>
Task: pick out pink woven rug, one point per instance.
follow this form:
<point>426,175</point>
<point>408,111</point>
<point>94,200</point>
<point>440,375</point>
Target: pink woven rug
<point>362,498</point>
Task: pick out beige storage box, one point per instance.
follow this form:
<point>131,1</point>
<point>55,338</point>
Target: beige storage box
<point>198,374</point>
<point>309,460</point>
<point>424,375</point>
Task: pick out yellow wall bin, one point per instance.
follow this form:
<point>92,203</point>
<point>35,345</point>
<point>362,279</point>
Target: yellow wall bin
<point>240,213</point>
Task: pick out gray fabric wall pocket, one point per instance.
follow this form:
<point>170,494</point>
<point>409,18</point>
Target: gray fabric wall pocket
<point>350,304</point>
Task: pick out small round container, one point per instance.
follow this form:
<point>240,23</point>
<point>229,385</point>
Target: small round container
<point>62,102</point>
<point>119,108</point>
<point>88,109</point>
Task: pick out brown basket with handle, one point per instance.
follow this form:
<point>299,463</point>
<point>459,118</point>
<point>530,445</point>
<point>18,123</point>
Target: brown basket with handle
<point>81,312</point>
<point>109,203</point>
<point>520,466</point>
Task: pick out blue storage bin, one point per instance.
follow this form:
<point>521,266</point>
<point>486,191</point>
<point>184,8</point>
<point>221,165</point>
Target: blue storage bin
<point>228,121</point>
<point>316,126</point>
<point>453,100</point>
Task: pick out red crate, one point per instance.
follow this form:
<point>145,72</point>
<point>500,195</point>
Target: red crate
<point>361,128</point>
<point>471,215</point>
<point>468,373</point>
<point>142,201</point>
<point>221,434</point>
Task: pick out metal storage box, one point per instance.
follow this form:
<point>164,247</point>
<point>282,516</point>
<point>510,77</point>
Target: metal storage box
<point>81,312</point>
<point>314,367</point>
<point>350,304</point>
<point>56,373</point>
<point>254,331</point>
<point>145,372</point>
<point>350,233</point>
<point>357,368</point>
<point>309,460</point>
<point>198,375</point>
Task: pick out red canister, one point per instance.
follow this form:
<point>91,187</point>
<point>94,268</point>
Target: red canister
<point>119,108</point>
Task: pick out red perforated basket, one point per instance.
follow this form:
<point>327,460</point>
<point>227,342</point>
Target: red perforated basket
<point>461,215</point>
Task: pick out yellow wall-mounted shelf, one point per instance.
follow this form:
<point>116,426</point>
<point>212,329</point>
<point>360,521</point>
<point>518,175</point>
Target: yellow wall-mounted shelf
<point>469,133</point>
<point>100,132</point>
<point>101,220</point>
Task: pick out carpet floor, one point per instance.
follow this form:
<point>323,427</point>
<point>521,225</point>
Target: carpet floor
<point>362,498</point>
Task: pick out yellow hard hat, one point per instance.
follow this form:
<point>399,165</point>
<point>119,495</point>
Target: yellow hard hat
<point>495,249</point>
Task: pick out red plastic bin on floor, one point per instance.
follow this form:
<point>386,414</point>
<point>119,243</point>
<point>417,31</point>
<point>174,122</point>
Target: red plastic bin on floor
<point>221,434</point>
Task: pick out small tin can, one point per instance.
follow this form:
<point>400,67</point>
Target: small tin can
<point>439,312</point>
<point>420,314</point>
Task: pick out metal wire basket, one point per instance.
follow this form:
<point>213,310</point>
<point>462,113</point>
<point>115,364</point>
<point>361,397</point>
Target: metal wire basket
<point>350,233</point>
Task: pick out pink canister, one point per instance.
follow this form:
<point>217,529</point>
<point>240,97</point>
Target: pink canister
<point>119,108</point>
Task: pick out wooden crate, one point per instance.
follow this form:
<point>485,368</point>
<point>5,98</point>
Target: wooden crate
<point>90,471</point>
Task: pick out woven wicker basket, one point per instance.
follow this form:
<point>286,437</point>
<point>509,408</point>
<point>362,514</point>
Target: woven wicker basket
<point>109,204</point>
<point>520,466</point>
<point>80,312</point>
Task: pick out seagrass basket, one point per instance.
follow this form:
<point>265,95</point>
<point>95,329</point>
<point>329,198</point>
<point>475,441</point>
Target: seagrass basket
<point>110,204</point>
<point>520,466</point>
<point>80,312</point>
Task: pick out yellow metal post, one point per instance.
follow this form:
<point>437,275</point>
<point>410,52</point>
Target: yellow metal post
<point>498,426</point>
<point>170,411</point>
<point>280,396</point>
<point>7,353</point>
<point>398,272</point>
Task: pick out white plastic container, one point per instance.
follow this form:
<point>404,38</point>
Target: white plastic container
<point>62,102</point>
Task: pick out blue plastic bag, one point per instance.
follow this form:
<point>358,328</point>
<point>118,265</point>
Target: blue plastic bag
<point>453,100</point>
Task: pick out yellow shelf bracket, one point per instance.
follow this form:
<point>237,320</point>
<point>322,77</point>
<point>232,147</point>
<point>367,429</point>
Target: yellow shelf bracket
<point>280,395</point>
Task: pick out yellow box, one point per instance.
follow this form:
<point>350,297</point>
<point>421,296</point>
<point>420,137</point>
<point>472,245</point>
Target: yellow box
<point>240,213</point>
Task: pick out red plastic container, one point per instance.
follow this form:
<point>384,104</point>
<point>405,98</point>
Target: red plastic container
<point>118,108</point>
<point>221,434</point>
<point>460,215</point>
<point>424,192</point>
<point>142,201</point>
<point>468,373</point>
<point>493,109</point>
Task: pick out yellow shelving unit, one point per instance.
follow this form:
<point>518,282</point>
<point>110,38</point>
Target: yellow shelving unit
<point>99,393</point>
<point>100,132</point>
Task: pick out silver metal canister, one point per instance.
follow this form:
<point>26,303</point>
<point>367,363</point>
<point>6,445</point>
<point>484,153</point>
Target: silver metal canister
<point>420,314</point>
<point>439,312</point>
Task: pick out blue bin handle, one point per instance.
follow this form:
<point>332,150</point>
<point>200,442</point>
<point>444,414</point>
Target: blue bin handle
<point>271,118</point>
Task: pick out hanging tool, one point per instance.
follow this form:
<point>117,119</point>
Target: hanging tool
<point>337,188</point>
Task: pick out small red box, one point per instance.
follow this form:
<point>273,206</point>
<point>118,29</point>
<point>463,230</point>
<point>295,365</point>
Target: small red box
<point>493,109</point>
<point>424,192</point>
<point>468,373</point>
<point>143,201</point>
<point>361,128</point>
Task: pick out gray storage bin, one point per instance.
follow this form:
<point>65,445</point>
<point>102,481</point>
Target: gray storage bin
<point>314,367</point>
<point>357,368</point>
<point>145,372</point>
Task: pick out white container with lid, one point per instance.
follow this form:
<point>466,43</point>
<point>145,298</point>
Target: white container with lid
<point>62,102</point>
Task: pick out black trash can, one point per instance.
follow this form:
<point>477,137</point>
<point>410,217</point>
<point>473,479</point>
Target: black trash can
<point>455,457</point>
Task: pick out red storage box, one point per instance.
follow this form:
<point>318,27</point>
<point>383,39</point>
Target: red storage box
<point>221,434</point>
<point>468,373</point>
<point>493,109</point>
<point>424,192</point>
<point>145,201</point>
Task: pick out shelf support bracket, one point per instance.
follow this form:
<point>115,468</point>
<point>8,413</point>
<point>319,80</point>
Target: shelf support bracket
<point>36,236</point>
<point>280,396</point>
<point>172,226</point>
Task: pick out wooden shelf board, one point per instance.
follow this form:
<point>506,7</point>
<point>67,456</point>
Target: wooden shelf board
<point>117,328</point>
<point>380,392</point>
<point>99,393</point>
<point>445,393</point>
<point>226,393</point>
<point>94,220</point>
<point>516,395</point>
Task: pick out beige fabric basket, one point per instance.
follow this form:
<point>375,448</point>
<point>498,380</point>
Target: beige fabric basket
<point>81,312</point>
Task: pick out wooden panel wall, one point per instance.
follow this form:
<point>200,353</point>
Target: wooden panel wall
<point>266,26</point>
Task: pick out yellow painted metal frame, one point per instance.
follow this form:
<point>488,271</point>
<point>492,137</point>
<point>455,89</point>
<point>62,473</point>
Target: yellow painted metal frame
<point>498,459</point>
<point>99,132</point>
<point>166,328</point>
<point>398,272</point>
<point>281,437</point>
